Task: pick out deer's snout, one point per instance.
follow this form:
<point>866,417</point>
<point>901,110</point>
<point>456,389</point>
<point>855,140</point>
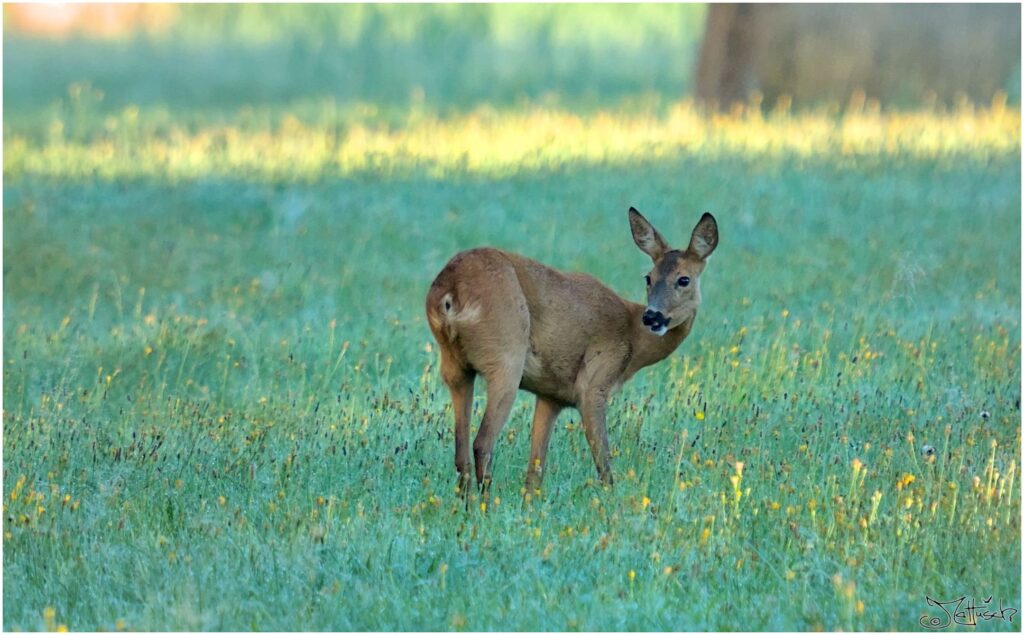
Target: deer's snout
<point>656,320</point>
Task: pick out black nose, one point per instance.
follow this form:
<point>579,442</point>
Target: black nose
<point>654,319</point>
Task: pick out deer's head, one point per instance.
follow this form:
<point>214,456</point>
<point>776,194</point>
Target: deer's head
<point>673,285</point>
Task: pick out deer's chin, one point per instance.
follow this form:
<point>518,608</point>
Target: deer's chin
<point>661,330</point>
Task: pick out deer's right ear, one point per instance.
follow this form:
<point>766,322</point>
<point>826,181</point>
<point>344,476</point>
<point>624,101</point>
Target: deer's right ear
<point>646,236</point>
<point>705,236</point>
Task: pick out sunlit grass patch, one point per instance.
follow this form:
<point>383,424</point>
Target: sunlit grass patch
<point>495,142</point>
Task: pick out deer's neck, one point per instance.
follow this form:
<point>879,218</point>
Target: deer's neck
<point>649,348</point>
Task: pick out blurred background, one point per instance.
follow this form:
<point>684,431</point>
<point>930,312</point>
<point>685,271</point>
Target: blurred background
<point>451,56</point>
<point>457,56</point>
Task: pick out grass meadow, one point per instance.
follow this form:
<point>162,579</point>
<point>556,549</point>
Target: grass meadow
<point>221,401</point>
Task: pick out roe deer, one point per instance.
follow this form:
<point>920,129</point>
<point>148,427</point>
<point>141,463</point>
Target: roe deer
<point>565,337</point>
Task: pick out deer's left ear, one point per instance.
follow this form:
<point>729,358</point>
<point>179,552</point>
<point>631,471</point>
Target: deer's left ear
<point>646,236</point>
<point>705,237</point>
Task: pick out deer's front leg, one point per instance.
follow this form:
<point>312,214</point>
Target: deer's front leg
<point>593,410</point>
<point>543,420</point>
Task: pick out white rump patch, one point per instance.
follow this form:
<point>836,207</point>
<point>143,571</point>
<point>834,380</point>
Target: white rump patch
<point>469,314</point>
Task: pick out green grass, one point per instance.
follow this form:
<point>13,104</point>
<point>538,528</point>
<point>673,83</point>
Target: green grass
<point>222,410</point>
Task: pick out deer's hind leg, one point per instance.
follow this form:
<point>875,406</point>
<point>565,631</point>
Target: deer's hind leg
<point>502,386</point>
<point>460,380</point>
<point>496,346</point>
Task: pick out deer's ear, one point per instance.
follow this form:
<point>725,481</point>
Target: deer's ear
<point>705,237</point>
<point>645,236</point>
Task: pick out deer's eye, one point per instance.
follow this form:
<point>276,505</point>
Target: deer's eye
<point>648,279</point>
<point>683,281</point>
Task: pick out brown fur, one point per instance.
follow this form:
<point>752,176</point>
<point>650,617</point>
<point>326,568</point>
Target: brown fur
<point>565,337</point>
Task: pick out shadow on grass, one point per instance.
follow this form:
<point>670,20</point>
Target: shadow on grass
<point>793,232</point>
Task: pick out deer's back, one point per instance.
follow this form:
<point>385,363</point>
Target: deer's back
<point>569,315</point>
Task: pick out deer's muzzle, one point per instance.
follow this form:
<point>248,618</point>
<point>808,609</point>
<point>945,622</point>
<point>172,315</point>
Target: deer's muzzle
<point>656,320</point>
